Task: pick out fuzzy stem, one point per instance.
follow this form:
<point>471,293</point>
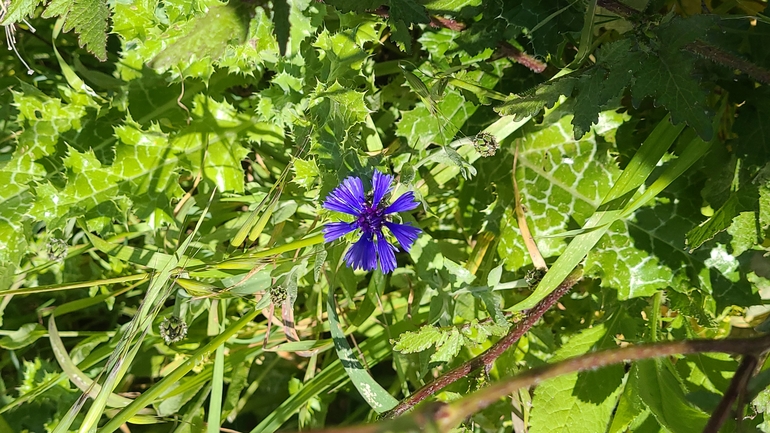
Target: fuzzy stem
<point>443,417</point>
<point>487,358</point>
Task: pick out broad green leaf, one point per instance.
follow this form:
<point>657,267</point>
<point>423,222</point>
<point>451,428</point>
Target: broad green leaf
<point>661,390</point>
<point>578,402</point>
<point>619,200</point>
<point>562,181</point>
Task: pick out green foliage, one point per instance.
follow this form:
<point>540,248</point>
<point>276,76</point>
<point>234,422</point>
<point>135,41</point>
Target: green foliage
<point>198,146</point>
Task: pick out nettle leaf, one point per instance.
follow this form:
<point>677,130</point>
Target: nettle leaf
<point>417,341</point>
<point>543,96</point>
<point>740,202</point>
<point>599,89</point>
<point>207,38</point>
<point>581,402</point>
<point>19,10</point>
<point>667,74</point>
<point>88,18</point>
<point>404,13</point>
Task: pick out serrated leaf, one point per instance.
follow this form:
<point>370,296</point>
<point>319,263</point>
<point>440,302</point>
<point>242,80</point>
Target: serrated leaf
<point>402,14</point>
<point>281,25</point>
<point>578,402</point>
<point>449,349</point>
<point>543,96</point>
<point>338,106</point>
<point>88,18</point>
<point>598,89</point>
<point>661,390</point>
<point>18,10</point>
<point>738,202</point>
<point>417,341</point>
<point>668,79</point>
<point>208,37</point>
<point>305,173</point>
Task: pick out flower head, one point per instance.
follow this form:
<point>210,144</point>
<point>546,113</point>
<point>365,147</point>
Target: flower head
<point>371,214</point>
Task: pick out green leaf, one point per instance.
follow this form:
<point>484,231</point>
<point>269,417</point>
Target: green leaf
<point>561,180</point>
<point>207,38</point>
<point>600,88</point>
<point>338,107</point>
<point>377,397</point>
<point>448,350</point>
<point>543,96</point>
<point>427,336</point>
<point>305,173</point>
<point>667,75</point>
<point>88,18</point>
<point>661,390</point>
<point>281,25</point>
<point>18,10</point>
<point>578,402</point>
<point>404,13</point>
<point>22,337</point>
<point>741,201</point>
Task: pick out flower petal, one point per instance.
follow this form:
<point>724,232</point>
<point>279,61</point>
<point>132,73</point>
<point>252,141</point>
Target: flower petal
<point>403,203</point>
<point>386,253</point>
<point>347,198</point>
<point>380,186</point>
<point>406,234</point>
<point>362,255</point>
<point>334,231</point>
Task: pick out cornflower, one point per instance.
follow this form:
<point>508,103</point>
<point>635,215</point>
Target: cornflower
<point>372,214</point>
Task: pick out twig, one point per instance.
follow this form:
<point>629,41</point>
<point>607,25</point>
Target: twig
<point>505,49</point>
<point>443,417</point>
<point>487,358</point>
<point>730,60</point>
<point>454,413</point>
<point>736,389</point>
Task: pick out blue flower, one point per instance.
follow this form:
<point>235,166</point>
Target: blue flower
<point>371,216</point>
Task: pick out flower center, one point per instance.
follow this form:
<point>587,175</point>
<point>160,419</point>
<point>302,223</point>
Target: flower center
<point>370,221</point>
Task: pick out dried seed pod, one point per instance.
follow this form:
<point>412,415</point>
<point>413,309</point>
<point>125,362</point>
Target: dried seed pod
<point>277,295</point>
<point>485,144</point>
<point>533,277</point>
<point>173,329</point>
